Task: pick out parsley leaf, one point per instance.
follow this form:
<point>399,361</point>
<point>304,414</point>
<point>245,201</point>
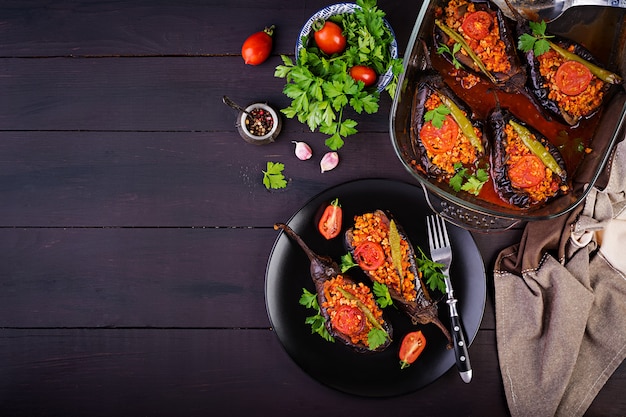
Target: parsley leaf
<point>437,116</point>
<point>381,291</point>
<point>463,180</point>
<point>443,48</point>
<point>273,177</point>
<point>431,272</point>
<point>538,41</point>
<point>347,262</point>
<point>376,337</point>
<point>317,321</point>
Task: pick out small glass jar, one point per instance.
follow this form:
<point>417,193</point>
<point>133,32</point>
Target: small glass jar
<point>260,125</point>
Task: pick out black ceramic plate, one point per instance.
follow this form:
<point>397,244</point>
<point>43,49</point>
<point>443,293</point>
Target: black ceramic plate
<point>336,365</point>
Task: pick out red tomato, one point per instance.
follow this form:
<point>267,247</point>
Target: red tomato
<point>527,172</point>
<point>348,320</point>
<point>412,346</point>
<point>330,223</point>
<point>440,140</point>
<point>256,49</point>
<point>477,25</point>
<point>329,37</point>
<point>572,78</point>
<point>363,73</point>
<point>369,255</point>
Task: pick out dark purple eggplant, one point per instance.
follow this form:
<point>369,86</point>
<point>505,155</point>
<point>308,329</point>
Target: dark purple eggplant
<point>511,76</point>
<point>531,170</point>
<point>329,281</point>
<point>569,109</point>
<point>415,301</point>
<point>442,166</point>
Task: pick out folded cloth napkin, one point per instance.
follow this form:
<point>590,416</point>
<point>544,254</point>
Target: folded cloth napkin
<point>560,301</point>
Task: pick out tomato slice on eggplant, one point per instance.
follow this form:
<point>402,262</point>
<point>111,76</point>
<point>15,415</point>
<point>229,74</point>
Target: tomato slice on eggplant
<point>527,168</point>
<point>431,143</point>
<point>475,21</point>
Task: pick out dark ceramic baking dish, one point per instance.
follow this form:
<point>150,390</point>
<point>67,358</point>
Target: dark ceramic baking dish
<point>603,32</point>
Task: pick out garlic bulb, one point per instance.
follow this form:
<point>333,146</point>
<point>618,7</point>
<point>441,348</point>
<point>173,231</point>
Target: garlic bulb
<point>329,161</point>
<point>303,151</point>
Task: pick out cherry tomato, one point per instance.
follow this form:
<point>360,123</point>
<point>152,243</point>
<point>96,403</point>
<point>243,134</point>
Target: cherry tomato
<point>369,255</point>
<point>572,78</point>
<point>363,73</point>
<point>440,140</point>
<point>348,320</point>
<point>256,49</point>
<point>412,346</point>
<point>330,223</point>
<point>477,25</point>
<point>527,172</point>
<point>329,37</point>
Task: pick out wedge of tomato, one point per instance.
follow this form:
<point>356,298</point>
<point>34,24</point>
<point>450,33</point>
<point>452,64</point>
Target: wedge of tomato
<point>412,346</point>
<point>440,139</point>
<point>369,255</point>
<point>330,222</point>
<point>572,78</point>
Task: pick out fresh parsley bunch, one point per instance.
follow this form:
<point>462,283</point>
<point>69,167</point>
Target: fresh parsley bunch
<point>320,87</point>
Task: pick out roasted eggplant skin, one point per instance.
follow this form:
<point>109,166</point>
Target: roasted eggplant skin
<point>498,120</point>
<point>322,269</point>
<point>513,80</point>
<point>537,83</point>
<point>433,82</point>
<point>423,309</point>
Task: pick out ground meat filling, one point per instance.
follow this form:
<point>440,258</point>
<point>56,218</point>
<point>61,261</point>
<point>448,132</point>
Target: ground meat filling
<point>370,227</point>
<point>357,326</point>
<point>490,48</point>
<point>577,106</point>
<point>538,185</point>
<point>462,152</point>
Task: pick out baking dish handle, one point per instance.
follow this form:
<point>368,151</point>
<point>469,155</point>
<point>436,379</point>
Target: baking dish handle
<point>467,218</point>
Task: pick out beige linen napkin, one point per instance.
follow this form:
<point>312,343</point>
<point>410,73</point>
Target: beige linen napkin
<point>560,298</point>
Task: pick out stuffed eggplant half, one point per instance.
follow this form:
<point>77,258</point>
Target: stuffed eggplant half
<point>348,307</point>
<point>564,77</point>
<point>442,135</point>
<point>476,36</point>
<point>527,168</point>
<point>383,251</point>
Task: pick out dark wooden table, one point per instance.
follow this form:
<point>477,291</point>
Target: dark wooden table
<point>135,228</point>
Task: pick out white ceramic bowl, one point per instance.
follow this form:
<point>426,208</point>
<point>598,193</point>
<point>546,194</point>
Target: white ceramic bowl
<point>341,8</point>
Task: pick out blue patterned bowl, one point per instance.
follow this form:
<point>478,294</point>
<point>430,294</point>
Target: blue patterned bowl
<point>341,8</point>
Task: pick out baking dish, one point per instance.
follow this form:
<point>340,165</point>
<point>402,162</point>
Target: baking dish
<point>603,32</point>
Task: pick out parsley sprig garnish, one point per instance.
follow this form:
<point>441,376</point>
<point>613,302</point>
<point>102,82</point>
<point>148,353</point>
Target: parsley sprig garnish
<point>321,88</point>
<point>443,48</point>
<point>431,271</point>
<point>465,181</point>
<point>273,177</point>
<point>317,321</point>
<point>437,116</point>
<point>538,41</point>
<point>383,298</point>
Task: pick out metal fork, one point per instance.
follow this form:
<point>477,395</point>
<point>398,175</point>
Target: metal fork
<point>441,252</point>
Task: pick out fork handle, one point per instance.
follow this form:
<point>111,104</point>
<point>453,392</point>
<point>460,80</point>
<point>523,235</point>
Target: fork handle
<point>460,347</point>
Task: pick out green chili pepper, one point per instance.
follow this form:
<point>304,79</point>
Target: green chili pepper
<point>466,126</point>
<point>459,39</point>
<point>537,148</point>
<point>601,73</point>
<point>368,313</point>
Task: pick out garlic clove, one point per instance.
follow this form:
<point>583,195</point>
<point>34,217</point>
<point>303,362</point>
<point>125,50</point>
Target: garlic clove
<point>303,151</point>
<point>329,161</point>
